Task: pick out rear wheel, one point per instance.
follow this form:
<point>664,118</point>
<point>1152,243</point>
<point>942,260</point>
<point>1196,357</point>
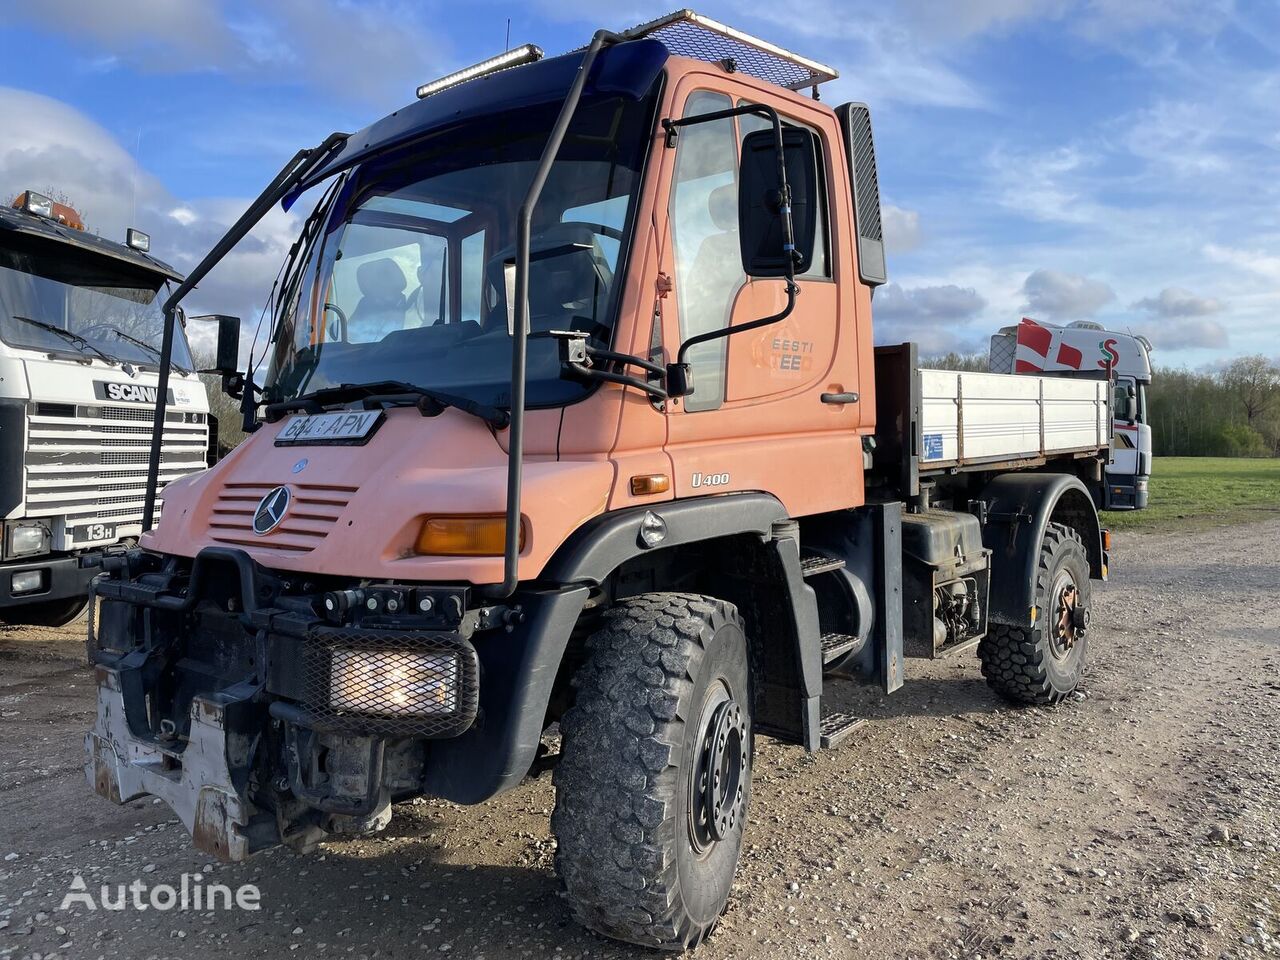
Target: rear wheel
<point>51,613</point>
<point>653,786</point>
<point>1045,662</point>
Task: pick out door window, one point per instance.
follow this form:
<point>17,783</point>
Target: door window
<point>704,237</point>
<point>819,265</point>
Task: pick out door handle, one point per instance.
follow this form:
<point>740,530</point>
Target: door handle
<point>840,398</point>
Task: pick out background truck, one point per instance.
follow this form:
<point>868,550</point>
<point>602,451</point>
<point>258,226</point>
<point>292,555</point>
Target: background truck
<point>1085,348</point>
<point>573,424</point>
<point>80,331</point>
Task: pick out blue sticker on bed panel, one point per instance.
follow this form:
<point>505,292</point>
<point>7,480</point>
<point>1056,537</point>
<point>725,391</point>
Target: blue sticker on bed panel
<point>933,446</point>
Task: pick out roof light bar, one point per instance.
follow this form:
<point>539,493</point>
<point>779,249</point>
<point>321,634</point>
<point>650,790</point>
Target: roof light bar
<point>518,56</point>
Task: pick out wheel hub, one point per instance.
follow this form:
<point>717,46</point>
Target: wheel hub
<point>719,790</point>
<point>1072,617</point>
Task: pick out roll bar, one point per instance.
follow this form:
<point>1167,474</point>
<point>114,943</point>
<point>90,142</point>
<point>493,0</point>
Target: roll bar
<point>303,162</point>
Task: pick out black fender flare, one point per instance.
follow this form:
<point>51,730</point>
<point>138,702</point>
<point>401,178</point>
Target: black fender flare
<point>603,544</point>
<point>1019,508</point>
<point>518,670</point>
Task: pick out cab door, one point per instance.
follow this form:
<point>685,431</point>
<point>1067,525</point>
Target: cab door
<point>757,419</point>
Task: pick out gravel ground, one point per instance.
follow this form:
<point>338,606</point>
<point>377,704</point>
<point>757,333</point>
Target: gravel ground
<point>1138,820</point>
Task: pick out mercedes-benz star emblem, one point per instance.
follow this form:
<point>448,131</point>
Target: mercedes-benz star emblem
<point>271,510</point>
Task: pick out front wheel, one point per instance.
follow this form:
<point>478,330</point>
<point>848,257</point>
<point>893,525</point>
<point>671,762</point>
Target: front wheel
<point>655,776</point>
<point>1044,662</point>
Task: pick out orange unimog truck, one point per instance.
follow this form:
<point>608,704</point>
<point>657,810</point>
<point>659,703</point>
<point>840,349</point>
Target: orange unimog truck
<point>571,416</point>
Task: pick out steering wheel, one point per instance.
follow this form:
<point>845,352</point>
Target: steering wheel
<point>613,233</point>
<point>342,319</point>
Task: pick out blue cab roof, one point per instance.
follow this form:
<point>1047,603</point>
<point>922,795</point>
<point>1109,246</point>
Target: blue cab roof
<point>626,70</point>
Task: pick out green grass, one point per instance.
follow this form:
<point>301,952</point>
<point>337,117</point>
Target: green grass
<point>1205,491</point>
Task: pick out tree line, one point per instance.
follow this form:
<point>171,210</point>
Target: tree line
<point>1232,412</point>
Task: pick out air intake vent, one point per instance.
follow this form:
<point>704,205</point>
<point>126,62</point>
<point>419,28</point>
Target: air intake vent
<point>855,120</point>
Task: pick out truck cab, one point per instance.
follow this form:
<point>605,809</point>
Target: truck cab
<point>1085,348</point>
<point>80,328</point>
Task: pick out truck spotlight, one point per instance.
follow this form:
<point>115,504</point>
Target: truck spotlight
<point>36,203</point>
<point>475,536</point>
<point>138,240</point>
<point>29,538</point>
<point>393,682</point>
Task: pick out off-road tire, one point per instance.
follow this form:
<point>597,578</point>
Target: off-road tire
<point>626,851</point>
<point>50,613</point>
<point>1019,662</point>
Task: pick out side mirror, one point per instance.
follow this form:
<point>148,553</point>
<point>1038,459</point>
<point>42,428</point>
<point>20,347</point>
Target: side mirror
<point>760,210</point>
<point>1129,410</point>
<point>227,355</point>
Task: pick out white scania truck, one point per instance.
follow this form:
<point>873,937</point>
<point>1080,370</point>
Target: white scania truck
<point>80,327</point>
<point>1086,348</point>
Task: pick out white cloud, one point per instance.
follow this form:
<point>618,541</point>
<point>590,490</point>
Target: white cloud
<point>1176,302</point>
<point>1258,262</point>
<point>1056,295</point>
<point>901,228</point>
<point>48,144</point>
<point>1185,333</point>
<point>377,51</point>
<point>932,316</point>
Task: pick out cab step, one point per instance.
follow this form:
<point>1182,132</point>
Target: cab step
<point>836,645</point>
<point>836,726</point>
<point>815,564</point>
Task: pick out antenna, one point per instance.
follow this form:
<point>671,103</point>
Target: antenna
<point>133,200</point>
<point>507,42</point>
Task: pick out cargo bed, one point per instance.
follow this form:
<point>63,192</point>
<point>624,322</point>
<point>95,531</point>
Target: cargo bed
<point>931,421</point>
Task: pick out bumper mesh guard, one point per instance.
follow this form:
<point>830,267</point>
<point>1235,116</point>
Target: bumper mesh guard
<point>384,682</point>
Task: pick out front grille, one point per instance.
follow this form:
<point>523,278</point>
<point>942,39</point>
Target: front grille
<point>65,459</point>
<point>313,509</point>
<point>384,682</point>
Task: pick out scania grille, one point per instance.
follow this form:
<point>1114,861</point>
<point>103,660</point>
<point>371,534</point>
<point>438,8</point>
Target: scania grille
<point>95,468</point>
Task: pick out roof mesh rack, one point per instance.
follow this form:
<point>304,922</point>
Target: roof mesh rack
<point>689,34</point>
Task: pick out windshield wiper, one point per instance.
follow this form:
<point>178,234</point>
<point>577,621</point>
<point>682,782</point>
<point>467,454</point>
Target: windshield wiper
<point>155,352</point>
<point>429,402</point>
<point>69,336</point>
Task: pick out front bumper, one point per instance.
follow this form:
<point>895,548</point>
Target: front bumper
<point>218,693</point>
<point>196,782</point>
<point>62,578</point>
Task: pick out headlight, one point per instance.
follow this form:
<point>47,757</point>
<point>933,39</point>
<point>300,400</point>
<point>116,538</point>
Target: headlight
<point>393,683</point>
<point>481,536</point>
<point>28,539</point>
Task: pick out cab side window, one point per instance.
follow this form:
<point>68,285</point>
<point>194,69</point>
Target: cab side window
<point>704,237</point>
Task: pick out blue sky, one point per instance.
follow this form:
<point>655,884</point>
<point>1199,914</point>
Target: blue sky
<point>1111,160</point>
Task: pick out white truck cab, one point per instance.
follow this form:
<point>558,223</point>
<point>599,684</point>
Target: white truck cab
<point>1088,348</point>
<point>80,327</point>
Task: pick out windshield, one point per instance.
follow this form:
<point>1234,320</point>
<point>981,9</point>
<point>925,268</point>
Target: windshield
<point>65,302</point>
<point>411,278</point>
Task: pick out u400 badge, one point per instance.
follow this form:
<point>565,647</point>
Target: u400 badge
<point>710,479</point>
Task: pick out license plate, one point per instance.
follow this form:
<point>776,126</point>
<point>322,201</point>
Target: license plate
<point>354,427</point>
<point>93,532</point>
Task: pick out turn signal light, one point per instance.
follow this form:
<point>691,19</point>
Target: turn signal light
<point>1106,539</point>
<point>650,483</point>
<point>475,536</point>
